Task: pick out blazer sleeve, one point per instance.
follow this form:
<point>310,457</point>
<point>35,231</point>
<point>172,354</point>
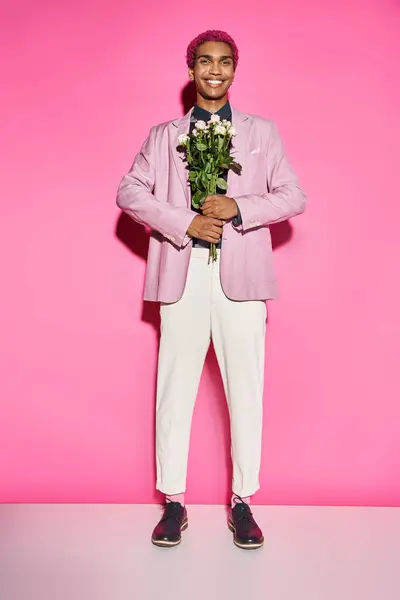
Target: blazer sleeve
<point>136,198</point>
<point>285,197</point>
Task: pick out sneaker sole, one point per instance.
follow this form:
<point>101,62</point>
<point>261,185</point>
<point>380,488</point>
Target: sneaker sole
<point>253,546</point>
<point>165,544</point>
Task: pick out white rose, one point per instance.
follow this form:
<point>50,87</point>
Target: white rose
<point>215,118</point>
<point>200,125</point>
<point>195,132</point>
<point>182,139</point>
<point>232,131</point>
<point>220,129</point>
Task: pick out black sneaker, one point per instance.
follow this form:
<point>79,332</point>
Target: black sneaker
<point>168,531</point>
<point>246,532</point>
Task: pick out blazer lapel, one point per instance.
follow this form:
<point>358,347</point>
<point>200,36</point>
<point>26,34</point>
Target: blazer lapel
<point>241,122</point>
<point>180,126</point>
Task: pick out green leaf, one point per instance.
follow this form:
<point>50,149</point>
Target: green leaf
<point>198,198</point>
<point>236,167</point>
<point>222,184</point>
<point>201,146</point>
<point>204,179</point>
<point>192,175</point>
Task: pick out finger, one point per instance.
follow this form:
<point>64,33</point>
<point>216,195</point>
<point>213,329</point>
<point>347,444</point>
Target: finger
<point>218,222</point>
<point>215,200</point>
<point>214,239</point>
<point>211,236</point>
<point>215,229</point>
<point>206,205</point>
<point>208,212</point>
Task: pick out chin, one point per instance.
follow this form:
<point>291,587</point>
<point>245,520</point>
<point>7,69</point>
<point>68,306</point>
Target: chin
<point>218,95</point>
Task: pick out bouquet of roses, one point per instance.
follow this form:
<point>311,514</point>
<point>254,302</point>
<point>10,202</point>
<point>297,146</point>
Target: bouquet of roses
<point>207,151</point>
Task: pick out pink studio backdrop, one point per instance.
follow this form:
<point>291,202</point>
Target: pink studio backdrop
<point>82,83</point>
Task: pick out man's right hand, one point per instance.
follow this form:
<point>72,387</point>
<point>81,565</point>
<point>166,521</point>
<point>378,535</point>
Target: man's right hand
<point>206,228</point>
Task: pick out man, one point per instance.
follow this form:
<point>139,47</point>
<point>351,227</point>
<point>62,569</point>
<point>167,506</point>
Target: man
<point>200,300</point>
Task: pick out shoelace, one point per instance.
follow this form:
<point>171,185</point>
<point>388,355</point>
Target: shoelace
<point>171,511</point>
<point>246,514</point>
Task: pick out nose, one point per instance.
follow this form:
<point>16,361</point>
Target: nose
<point>215,69</point>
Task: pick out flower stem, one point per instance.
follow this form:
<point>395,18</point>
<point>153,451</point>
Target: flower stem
<point>212,256</point>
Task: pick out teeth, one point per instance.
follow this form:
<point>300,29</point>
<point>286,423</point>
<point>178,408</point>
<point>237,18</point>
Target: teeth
<point>214,82</point>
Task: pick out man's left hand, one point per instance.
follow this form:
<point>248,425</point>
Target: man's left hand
<point>219,207</point>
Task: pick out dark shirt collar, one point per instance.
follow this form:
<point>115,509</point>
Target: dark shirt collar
<point>225,112</point>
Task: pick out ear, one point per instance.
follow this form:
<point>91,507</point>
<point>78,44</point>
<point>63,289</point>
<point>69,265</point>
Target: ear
<point>191,74</point>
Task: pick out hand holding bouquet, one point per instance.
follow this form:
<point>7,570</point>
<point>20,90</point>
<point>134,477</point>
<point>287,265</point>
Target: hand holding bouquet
<point>207,151</point>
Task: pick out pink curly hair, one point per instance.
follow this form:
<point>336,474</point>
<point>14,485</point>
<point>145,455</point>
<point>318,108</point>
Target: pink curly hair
<point>212,35</point>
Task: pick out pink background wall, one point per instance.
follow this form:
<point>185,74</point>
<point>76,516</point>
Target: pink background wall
<point>81,85</point>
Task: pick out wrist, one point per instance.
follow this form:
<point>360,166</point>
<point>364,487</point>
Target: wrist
<point>191,230</point>
<point>235,208</point>
<point>237,220</point>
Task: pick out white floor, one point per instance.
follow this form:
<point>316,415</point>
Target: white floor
<point>103,552</point>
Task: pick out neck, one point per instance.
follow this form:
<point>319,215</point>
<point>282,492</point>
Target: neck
<point>211,105</point>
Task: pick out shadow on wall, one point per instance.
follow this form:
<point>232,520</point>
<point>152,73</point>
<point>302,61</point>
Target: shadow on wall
<point>135,237</point>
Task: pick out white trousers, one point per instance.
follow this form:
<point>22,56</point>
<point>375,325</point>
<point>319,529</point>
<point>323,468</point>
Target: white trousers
<point>237,330</point>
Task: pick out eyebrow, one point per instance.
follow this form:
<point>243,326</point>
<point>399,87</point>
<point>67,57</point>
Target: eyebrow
<point>210,57</point>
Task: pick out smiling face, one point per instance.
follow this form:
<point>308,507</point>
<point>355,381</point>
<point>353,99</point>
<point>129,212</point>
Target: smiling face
<point>213,73</point>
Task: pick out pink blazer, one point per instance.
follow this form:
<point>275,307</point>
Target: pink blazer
<point>156,193</point>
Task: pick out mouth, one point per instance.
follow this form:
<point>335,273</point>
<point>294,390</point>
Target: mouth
<point>214,83</point>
